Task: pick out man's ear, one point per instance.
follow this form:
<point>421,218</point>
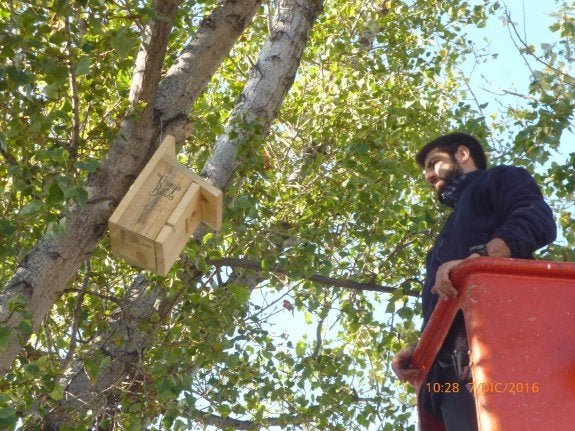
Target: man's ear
<point>463,154</point>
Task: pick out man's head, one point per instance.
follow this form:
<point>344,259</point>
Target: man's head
<point>450,156</point>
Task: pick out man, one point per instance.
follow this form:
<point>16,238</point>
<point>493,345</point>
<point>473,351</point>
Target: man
<point>497,212</point>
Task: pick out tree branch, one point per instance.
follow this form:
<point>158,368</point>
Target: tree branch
<point>9,157</point>
<point>270,79</point>
<point>188,76</point>
<point>244,425</point>
<point>318,278</point>
<point>148,67</point>
<point>318,340</point>
<point>528,52</point>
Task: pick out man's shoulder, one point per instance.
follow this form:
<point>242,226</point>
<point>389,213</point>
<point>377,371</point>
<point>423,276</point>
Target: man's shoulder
<point>506,178</point>
<point>507,172</point>
<point>506,168</point>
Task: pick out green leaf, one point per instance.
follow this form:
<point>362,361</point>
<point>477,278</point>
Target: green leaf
<point>8,417</point>
<point>123,42</point>
<point>55,194</point>
<point>300,348</point>
<point>269,263</point>
<point>83,66</point>
<point>18,304</point>
<point>207,237</point>
<point>32,208</point>
<point>18,76</point>
<point>224,410</point>
<point>5,337</point>
<point>92,368</point>
<point>57,393</point>
<point>81,196</point>
<point>89,165</point>
<point>62,7</point>
<point>25,327</point>
<point>241,293</point>
<point>243,202</point>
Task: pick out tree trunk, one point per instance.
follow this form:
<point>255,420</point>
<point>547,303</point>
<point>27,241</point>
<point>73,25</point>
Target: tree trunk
<point>269,81</point>
<point>265,90</point>
<point>46,270</point>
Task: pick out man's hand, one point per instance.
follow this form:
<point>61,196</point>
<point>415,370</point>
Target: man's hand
<point>443,286</point>
<point>401,364</point>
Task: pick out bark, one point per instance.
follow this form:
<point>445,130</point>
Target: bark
<point>187,78</point>
<point>266,88</point>
<point>46,270</point>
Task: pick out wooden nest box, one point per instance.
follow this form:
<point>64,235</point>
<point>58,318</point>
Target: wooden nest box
<point>161,211</point>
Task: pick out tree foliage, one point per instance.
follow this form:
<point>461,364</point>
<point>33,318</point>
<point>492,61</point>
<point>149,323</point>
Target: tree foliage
<point>289,316</point>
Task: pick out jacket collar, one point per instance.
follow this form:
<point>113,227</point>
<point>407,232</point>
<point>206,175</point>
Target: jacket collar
<point>455,188</point>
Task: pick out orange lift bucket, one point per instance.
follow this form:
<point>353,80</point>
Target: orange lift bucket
<point>520,321</point>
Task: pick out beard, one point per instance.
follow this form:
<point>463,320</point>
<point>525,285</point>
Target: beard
<point>451,178</point>
<point>450,181</point>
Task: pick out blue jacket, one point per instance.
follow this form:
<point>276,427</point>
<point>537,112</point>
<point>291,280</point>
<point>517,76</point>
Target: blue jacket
<point>503,202</point>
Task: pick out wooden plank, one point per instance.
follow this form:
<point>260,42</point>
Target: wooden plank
<point>167,147</point>
<point>212,202</point>
<point>132,247</point>
<point>178,229</point>
<point>157,197</point>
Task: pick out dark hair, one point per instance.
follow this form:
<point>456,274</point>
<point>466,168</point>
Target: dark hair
<point>450,143</point>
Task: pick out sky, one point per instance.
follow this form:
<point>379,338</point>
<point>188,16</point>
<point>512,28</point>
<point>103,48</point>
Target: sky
<point>532,19</point>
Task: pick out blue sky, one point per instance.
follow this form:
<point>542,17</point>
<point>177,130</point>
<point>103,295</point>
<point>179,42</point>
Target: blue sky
<point>532,19</point>
<point>508,70</point>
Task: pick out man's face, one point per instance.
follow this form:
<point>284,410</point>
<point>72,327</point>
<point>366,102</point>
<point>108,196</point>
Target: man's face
<point>440,169</point>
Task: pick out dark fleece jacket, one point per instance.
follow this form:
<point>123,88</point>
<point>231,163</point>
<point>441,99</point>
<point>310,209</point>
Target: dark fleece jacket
<point>503,202</point>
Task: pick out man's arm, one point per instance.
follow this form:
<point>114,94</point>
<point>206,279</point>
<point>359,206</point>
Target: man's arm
<point>496,248</point>
<point>527,222</point>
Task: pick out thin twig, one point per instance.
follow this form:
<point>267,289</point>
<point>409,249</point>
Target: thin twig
<point>75,141</point>
<point>526,47</point>
<point>76,316</point>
